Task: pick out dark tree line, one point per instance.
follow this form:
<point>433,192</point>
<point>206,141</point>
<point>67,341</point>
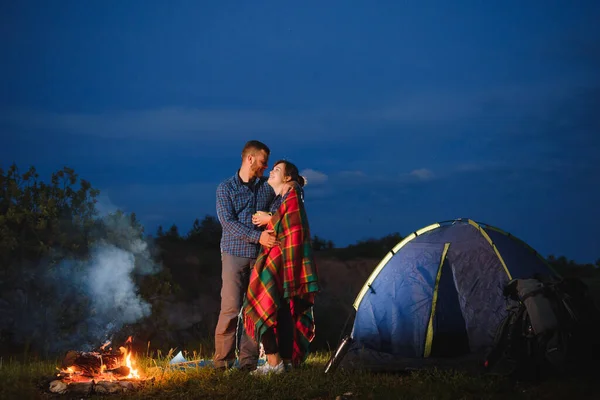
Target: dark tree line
<point>564,266</point>
<point>206,234</point>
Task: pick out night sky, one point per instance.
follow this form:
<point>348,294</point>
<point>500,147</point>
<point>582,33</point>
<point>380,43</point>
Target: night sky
<point>400,113</point>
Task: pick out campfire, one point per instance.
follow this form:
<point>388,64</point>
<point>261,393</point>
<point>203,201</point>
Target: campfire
<point>102,371</point>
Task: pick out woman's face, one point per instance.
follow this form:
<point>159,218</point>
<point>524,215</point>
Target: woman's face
<point>276,176</point>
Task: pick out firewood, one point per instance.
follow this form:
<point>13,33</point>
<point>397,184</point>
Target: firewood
<point>123,370</point>
<point>69,359</point>
<point>90,363</point>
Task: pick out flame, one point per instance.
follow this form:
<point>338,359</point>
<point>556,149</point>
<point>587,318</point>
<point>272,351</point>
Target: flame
<point>68,371</point>
<point>133,372</point>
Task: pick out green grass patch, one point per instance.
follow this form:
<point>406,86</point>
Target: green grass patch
<point>27,380</point>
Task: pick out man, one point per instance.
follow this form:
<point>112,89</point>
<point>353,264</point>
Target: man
<point>238,198</point>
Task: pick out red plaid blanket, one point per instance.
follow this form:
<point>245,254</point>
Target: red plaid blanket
<point>287,271</point>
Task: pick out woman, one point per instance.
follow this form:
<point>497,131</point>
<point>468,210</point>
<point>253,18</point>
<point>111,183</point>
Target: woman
<point>283,282</point>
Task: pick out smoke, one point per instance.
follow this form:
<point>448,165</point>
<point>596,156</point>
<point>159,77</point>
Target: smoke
<point>80,303</point>
<point>104,206</point>
<point>113,298</point>
<point>110,286</point>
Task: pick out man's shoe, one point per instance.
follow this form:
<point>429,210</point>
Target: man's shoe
<point>268,369</point>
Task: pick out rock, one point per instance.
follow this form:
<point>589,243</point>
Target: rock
<point>58,387</point>
<point>108,387</point>
<point>127,386</point>
<point>80,388</point>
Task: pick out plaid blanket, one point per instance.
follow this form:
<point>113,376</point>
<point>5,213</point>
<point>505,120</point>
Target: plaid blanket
<point>287,271</point>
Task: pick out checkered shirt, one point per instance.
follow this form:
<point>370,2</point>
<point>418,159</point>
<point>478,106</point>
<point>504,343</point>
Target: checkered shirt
<point>236,202</point>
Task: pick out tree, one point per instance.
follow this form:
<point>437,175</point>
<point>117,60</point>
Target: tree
<point>196,229</point>
<point>36,217</point>
<point>173,232</point>
<point>206,234</point>
<point>40,224</point>
<point>570,268</point>
<point>318,243</point>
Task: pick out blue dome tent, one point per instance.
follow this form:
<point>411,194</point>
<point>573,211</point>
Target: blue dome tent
<point>437,296</point>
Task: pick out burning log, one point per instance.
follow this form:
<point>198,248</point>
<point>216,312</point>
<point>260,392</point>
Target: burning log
<point>102,371</point>
<point>123,370</point>
<point>93,363</point>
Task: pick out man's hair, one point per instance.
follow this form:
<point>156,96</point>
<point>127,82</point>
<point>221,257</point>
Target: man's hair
<point>254,146</point>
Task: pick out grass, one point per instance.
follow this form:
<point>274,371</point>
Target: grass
<point>24,380</point>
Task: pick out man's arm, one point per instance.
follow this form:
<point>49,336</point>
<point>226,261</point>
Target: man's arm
<point>227,218</point>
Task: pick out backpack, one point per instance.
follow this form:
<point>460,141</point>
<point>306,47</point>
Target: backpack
<point>549,330</point>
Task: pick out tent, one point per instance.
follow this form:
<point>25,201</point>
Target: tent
<point>437,298</point>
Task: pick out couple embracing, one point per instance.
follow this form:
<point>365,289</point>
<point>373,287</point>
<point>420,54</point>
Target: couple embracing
<point>268,269</point>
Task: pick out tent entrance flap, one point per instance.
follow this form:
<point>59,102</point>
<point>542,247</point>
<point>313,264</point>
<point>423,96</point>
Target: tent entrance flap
<point>429,336</point>
<point>450,337</point>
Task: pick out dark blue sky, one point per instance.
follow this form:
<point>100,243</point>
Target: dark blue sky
<point>401,114</point>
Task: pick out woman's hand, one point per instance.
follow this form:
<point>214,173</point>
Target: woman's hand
<point>261,218</point>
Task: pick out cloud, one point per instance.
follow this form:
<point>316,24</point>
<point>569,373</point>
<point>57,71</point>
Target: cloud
<point>450,107</point>
<point>440,113</point>
<point>169,123</point>
<point>373,188</point>
<point>314,177</point>
<point>386,177</point>
<point>444,105</point>
<point>428,108</point>
<point>422,174</point>
<point>357,185</point>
